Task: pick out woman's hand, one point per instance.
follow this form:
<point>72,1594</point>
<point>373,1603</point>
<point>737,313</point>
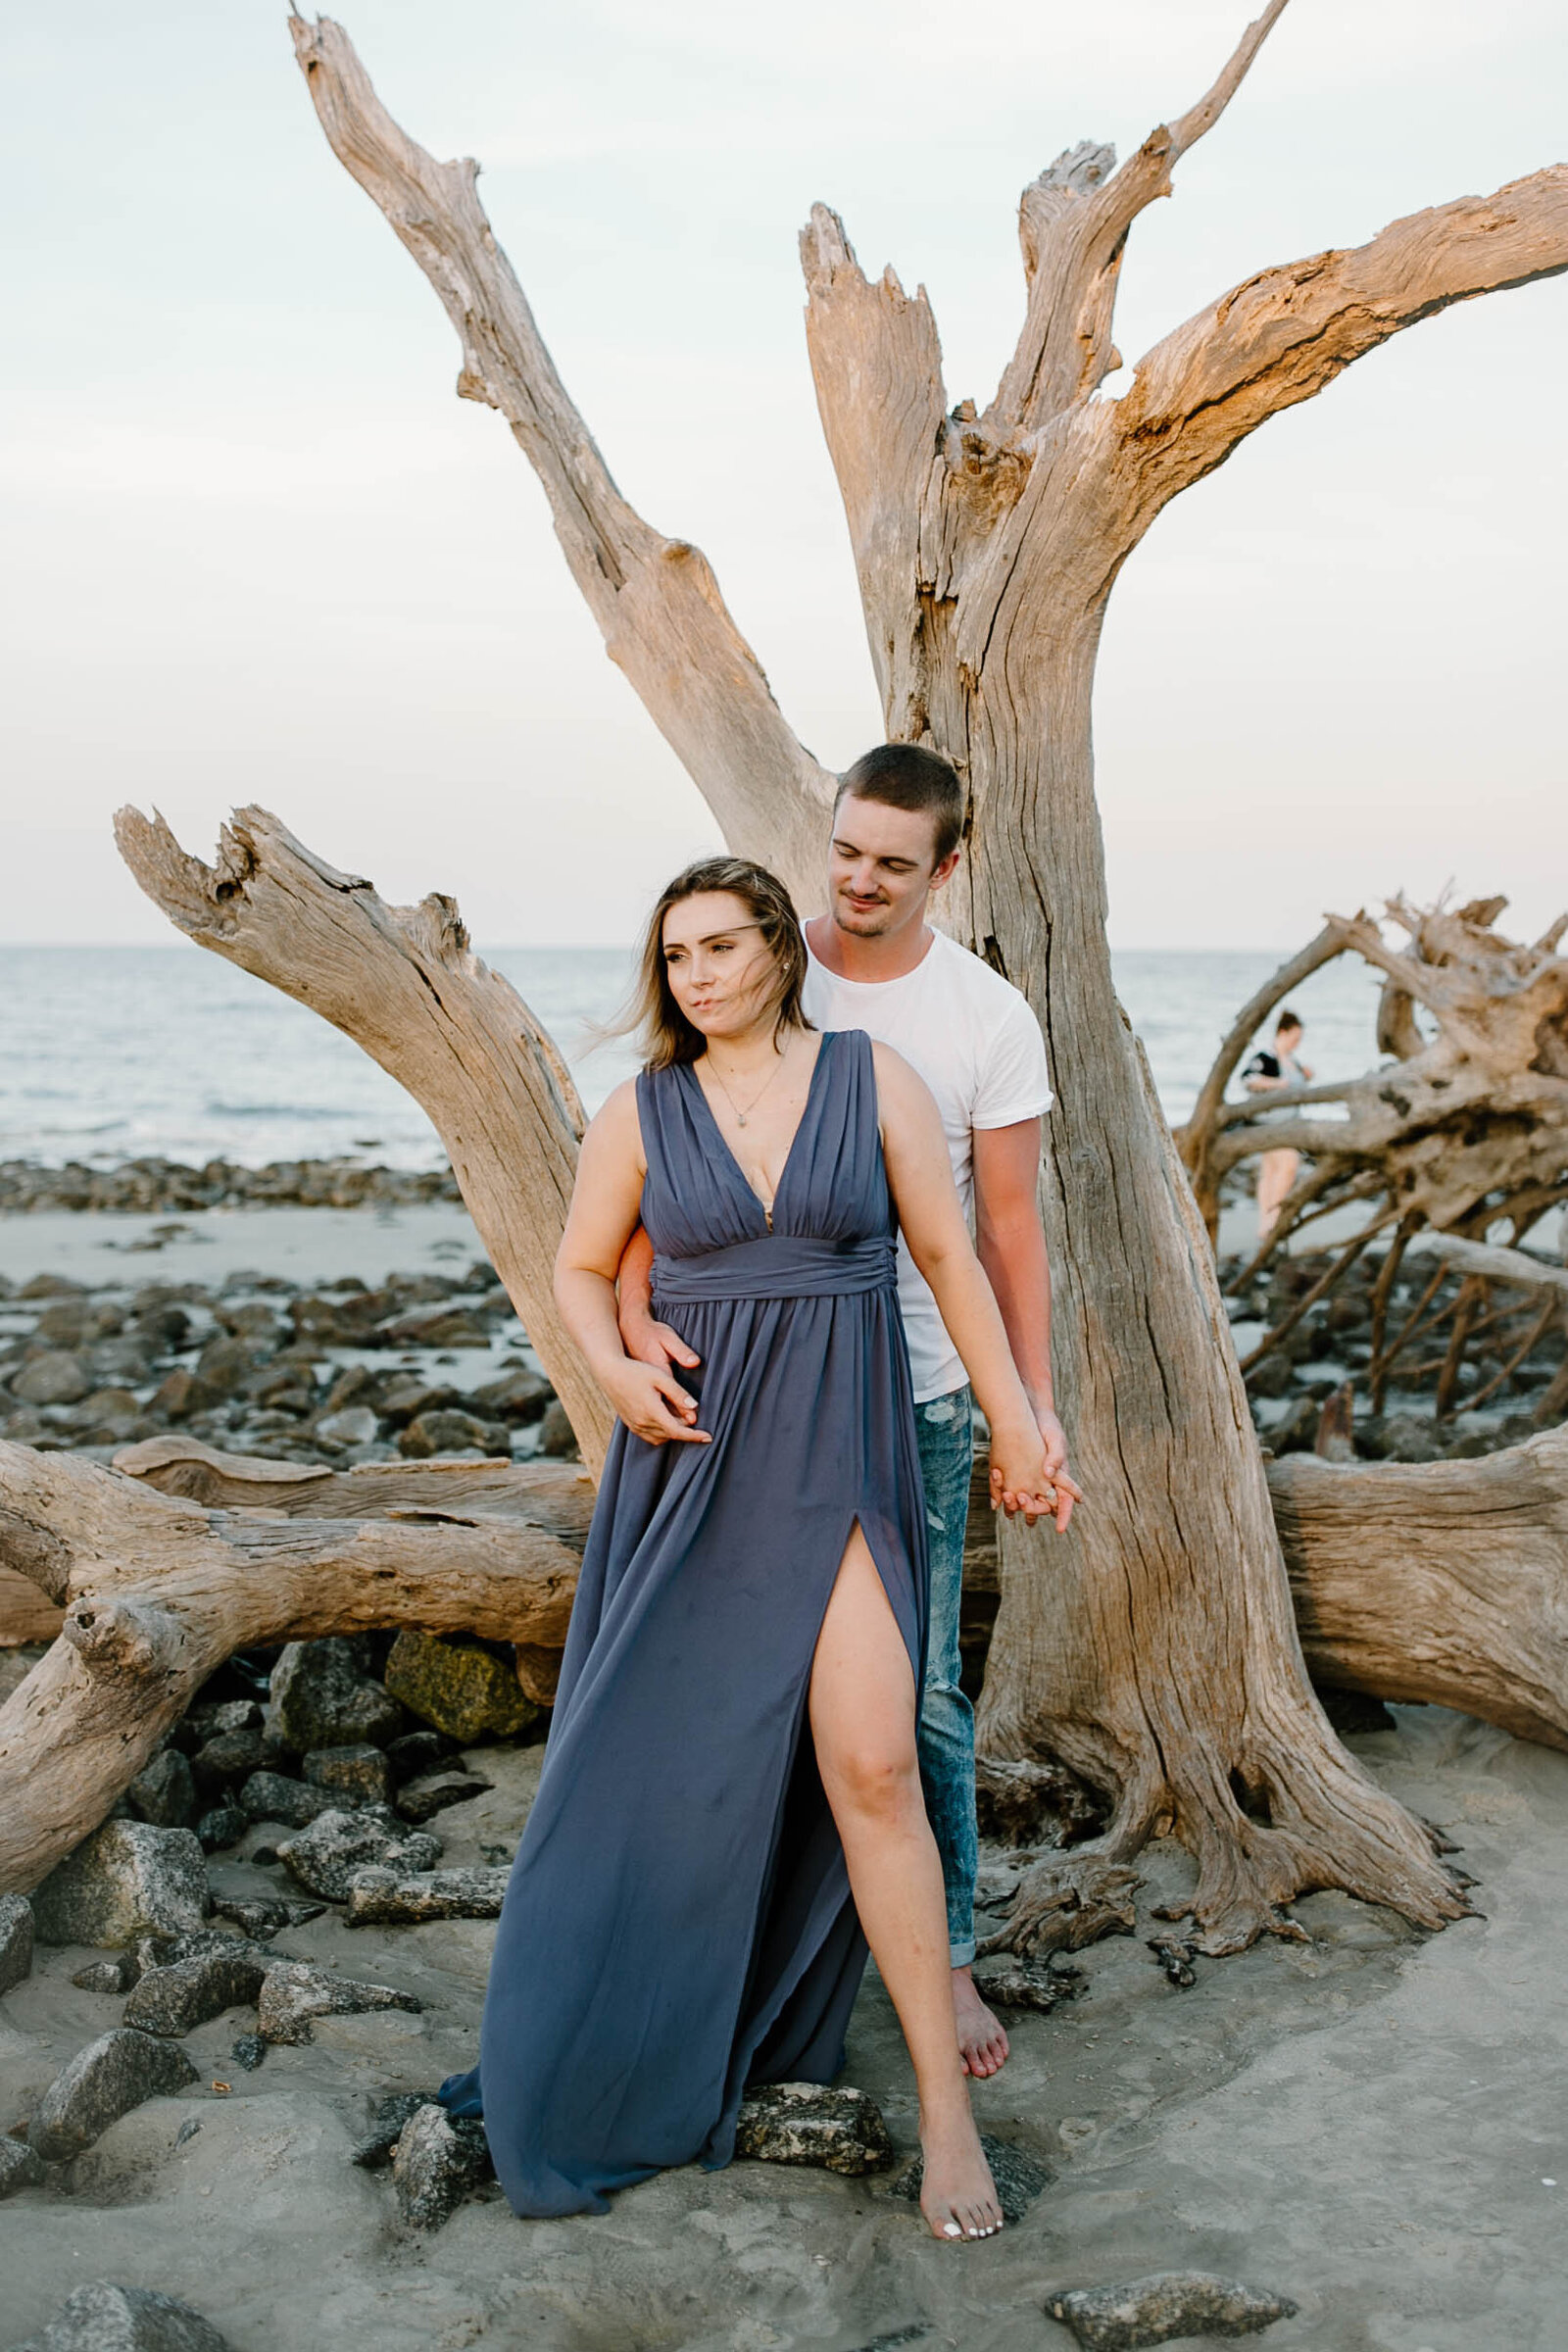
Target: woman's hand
<point>1022,1481</point>
<point>652,1402</point>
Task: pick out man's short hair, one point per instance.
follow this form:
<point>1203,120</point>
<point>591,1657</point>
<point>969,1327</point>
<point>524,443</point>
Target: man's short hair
<point>905,775</point>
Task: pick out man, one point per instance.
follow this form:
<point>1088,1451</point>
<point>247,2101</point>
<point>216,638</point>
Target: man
<point>1265,1074</point>
<point>875,964</point>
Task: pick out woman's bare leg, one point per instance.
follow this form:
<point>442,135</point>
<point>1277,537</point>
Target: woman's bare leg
<point>862,1710</point>
<point>1276,1173</point>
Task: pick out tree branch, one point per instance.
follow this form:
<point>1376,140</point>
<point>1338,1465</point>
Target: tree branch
<point>404,985</point>
<point>1072,225</point>
<point>1282,335</point>
<point>656,600</point>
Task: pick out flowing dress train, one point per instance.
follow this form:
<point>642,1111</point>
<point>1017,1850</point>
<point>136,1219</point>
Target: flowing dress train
<point>678,1922</point>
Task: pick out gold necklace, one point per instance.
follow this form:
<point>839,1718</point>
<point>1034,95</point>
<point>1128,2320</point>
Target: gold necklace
<point>741,1116</point>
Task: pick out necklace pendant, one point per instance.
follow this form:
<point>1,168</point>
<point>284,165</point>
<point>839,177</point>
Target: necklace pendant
<point>740,1118</point>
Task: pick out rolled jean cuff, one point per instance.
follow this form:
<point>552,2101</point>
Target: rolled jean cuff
<point>960,1955</point>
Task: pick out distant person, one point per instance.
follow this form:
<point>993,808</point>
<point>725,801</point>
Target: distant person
<point>730,1808</point>
<point>1265,1074</point>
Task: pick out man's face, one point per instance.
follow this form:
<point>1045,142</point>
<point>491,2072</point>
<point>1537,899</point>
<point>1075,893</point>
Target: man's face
<point>881,868</point>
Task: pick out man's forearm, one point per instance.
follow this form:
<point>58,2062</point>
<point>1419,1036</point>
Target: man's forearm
<point>1019,1271</point>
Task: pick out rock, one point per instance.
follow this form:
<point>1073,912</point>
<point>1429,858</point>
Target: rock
<point>101,2083</point>
<point>176,2000</point>
<point>557,1436</point>
<point>322,1698</point>
<point>262,1915</point>
<point>54,1378</point>
<point>452,1431</point>
<point>230,1756</point>
<point>1019,2176</point>
<point>109,1976</point>
<point>224,1363</point>
<point>1168,2304</point>
<point>807,2123</point>
<point>20,2166</point>
<point>460,1688</point>
<point>379,1897</point>
<point>293,1993</point>
<point>214,1717</point>
<point>105,2318</point>
<point>225,1824</point>
<point>273,1796</point>
<point>109,1416</point>
<point>325,1857</point>
<point>1042,1988</point>
<point>351,1775</point>
<point>15,1940</point>
<point>129,1878</point>
<point>356,1425</point>
<point>418,1752</point>
<point>433,1792</point>
<point>177,1397</point>
<point>404,1399</point>
<point>249,2051</point>
<point>387,2118</point>
<point>435,2164</point>
<point>438,1327</point>
<point>519,1395</point>
<point>164,1793</point>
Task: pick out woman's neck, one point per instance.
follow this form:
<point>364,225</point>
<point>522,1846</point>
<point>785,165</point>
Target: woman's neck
<point>747,1050</point>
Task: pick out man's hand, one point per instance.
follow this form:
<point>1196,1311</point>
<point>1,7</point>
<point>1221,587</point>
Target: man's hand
<point>648,1342</point>
<point>1054,1438</point>
<point>653,1404</point>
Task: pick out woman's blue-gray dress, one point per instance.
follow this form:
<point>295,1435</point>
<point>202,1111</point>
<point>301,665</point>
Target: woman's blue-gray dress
<point>678,1923</point>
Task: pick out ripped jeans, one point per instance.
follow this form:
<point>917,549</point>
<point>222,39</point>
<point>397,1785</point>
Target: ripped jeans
<point>945,1428</point>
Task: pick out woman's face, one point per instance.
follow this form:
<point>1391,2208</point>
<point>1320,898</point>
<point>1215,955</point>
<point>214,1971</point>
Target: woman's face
<point>719,968</point>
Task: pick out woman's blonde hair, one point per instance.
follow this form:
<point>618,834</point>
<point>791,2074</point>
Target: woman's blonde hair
<point>663,1030</point>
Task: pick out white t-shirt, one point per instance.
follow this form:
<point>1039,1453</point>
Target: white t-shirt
<point>974,1040</point>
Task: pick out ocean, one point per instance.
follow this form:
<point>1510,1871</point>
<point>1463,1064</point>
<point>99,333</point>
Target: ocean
<point>113,1053</point>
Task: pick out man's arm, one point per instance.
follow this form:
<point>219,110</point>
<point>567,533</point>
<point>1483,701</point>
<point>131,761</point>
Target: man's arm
<point>1010,1243</point>
<point>645,1340</point>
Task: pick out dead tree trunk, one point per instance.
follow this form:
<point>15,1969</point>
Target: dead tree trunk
<point>158,1591</point>
<point>1155,1649</point>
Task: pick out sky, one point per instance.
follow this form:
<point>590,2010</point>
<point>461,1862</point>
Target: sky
<point>258,551</point>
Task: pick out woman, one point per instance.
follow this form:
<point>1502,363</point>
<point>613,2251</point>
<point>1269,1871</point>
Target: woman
<point>731,1792</point>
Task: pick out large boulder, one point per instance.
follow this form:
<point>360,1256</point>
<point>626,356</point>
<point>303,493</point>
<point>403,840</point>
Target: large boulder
<point>100,2084</point>
<point>322,1698</point>
<point>293,1993</point>
<point>809,2123</point>
<point>460,1688</point>
<point>324,1857</point>
<point>108,2318</point>
<point>174,2000</point>
<point>128,1878</point>
<point>16,1939</point>
<point>435,2164</point>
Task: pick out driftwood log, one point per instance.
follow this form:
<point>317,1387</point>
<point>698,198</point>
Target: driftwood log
<point>159,1589</point>
<point>1154,1649</point>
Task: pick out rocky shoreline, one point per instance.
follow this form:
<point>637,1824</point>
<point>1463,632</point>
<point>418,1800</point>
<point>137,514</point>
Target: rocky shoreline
<point>150,1185</point>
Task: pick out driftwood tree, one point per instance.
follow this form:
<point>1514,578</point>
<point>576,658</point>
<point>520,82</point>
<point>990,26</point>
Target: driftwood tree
<point>1154,1650</point>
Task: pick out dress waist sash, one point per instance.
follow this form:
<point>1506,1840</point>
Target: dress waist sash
<point>784,1266</point>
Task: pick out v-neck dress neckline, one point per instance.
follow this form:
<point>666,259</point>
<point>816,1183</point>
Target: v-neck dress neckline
<point>768,1214</point>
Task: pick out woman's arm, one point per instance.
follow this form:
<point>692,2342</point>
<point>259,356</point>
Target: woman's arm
<point>606,1209</point>
<point>920,1174</point>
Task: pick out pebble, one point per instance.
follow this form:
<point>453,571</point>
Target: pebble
<point>164,1792</point>
<point>322,1697</point>
<point>293,1993</point>
<point>1167,2305</point>
<point>379,1897</point>
<point>249,2051</point>
<point>15,1940</point>
<point>806,2123</point>
<point>433,1792</point>
<point>101,2083</point>
<point>116,1976</point>
<point>127,1879</point>
<point>458,1687</point>
<point>109,2317</point>
<point>176,2000</point>
<point>350,1775</point>
<point>324,1857</point>
<point>262,1915</point>
<point>20,2166</point>
<point>435,2164</point>
<point>225,1824</point>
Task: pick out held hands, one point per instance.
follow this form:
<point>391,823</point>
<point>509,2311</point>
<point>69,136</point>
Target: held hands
<point>1029,1475</point>
<point>652,1402</point>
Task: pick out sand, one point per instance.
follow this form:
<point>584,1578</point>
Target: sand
<point>1367,2123</point>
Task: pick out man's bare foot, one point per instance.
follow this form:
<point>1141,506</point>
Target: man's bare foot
<point>982,2041</point>
<point>958,2196</point>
